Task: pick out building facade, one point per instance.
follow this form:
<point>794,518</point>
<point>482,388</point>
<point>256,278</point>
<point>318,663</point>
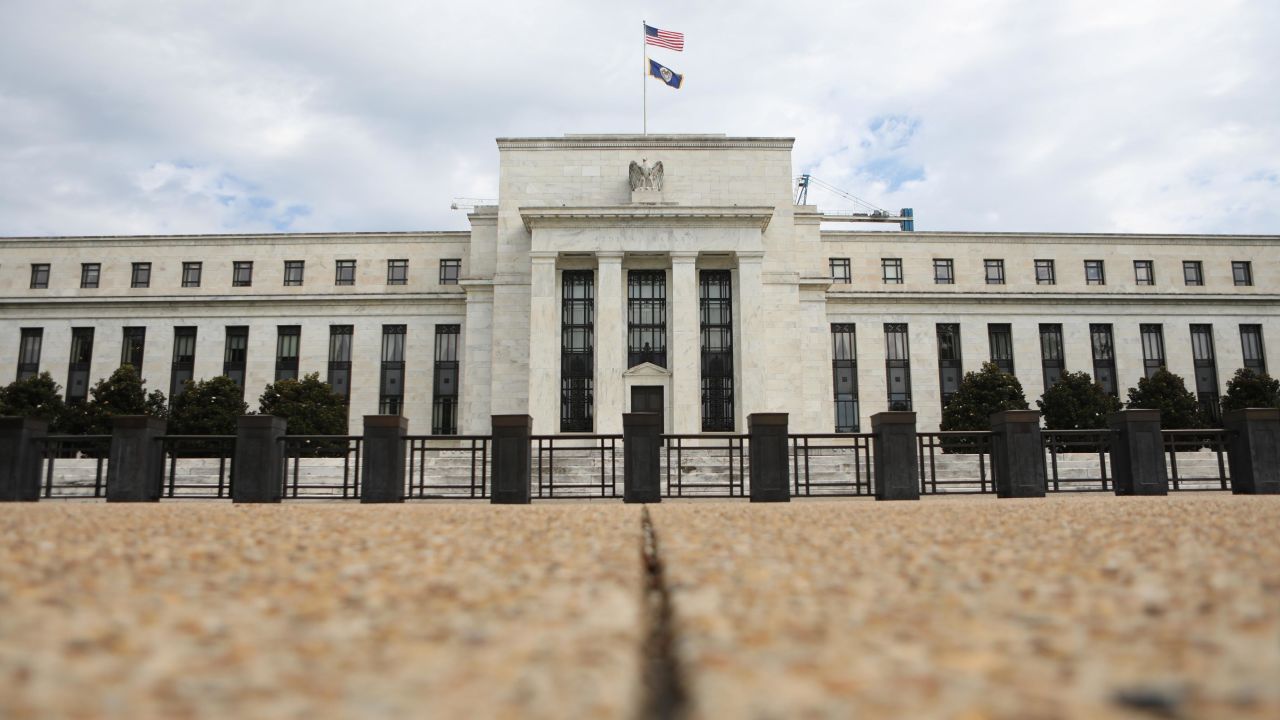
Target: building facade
<point>577,298</point>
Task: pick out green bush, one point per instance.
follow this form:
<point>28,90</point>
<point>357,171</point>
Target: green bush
<point>1248,389</point>
<point>1166,392</point>
<point>37,397</point>
<point>1076,402</point>
<point>311,408</point>
<point>981,394</point>
<point>207,407</point>
<point>124,393</point>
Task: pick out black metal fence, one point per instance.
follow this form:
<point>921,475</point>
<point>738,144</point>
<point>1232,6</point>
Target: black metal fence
<point>831,464</point>
<point>577,466</point>
<point>704,465</point>
<point>311,463</point>
<point>84,465</point>
<point>1192,473</point>
<point>203,462</point>
<point>1077,460</point>
<point>448,466</point>
<point>967,466</point>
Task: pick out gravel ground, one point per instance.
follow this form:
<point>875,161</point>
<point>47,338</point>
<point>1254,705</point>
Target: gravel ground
<point>959,608</point>
<point>1088,607</point>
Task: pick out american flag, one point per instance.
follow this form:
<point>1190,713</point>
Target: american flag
<point>664,38</point>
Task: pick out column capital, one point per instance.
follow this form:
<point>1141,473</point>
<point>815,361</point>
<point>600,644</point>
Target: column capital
<point>543,257</point>
<point>750,256</point>
<point>609,255</point>
<point>683,256</point>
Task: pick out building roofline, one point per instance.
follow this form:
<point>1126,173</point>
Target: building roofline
<point>899,236</point>
<point>440,234</point>
<point>689,141</point>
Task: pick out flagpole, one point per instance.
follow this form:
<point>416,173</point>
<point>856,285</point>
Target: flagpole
<point>644,78</point>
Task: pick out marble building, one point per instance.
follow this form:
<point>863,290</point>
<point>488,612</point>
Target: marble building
<point>696,288</point>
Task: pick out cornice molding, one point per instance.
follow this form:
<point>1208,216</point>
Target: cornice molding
<point>1046,238</point>
<point>645,142</point>
<point>238,240</point>
<point>864,297</point>
<point>172,301</point>
<point>646,216</point>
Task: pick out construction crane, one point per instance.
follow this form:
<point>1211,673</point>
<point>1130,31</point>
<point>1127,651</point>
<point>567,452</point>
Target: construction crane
<point>904,219</point>
<point>463,203</point>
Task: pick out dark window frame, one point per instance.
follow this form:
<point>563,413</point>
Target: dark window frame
<point>242,273</point>
<point>140,275</point>
<point>294,270</point>
<point>1046,272</point>
<point>192,273</point>
<point>841,270</point>
<point>1151,337</point>
<point>40,276</point>
<point>1193,273</point>
<point>1204,359</point>
<point>79,364</point>
<point>235,354</point>
<point>1144,266</point>
<point>339,378</point>
<point>1102,347</point>
<point>950,360</point>
<point>1095,272</point>
<point>444,400</point>
<point>1242,273</point>
<point>398,271</point>
<point>996,264</point>
<point>1053,362</point>
<point>891,272</point>
<point>646,317</point>
<point>288,351</point>
<point>944,271</point>
<point>340,276</point>
<point>450,271</point>
<point>30,347</point>
<point>715,309</point>
<point>90,275</point>
<point>391,377</point>
<point>183,363</point>
<point>844,377</point>
<point>577,350</point>
<point>133,345</point>
<point>999,344</point>
<point>897,356</point>
<point>1253,353</point>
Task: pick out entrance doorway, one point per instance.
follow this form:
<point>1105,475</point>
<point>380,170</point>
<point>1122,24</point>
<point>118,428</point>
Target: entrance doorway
<point>648,399</point>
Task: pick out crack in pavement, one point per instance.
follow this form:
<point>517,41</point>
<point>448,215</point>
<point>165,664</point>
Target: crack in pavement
<point>663,694</point>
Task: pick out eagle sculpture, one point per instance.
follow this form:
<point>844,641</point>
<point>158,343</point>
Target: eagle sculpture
<point>645,177</point>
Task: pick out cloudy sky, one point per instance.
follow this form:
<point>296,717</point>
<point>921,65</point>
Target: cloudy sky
<point>187,116</point>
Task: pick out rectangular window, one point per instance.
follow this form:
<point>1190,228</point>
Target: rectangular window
<point>949,367</point>
<point>141,276</point>
<point>78,367</point>
<point>1094,273</point>
<point>39,276</point>
<point>891,271</point>
<point>444,405</point>
<point>450,271</point>
<point>1206,368</point>
<point>391,382</point>
<point>293,272</point>
<point>944,271</point>
<point>1242,272</point>
<point>235,354</point>
<point>183,366</point>
<point>191,274</point>
<point>577,350</point>
<point>241,273</point>
<point>1000,338</point>
<point>715,298</point>
<point>1193,272</point>
<point>288,338</point>
<point>1102,341</point>
<point>840,271</point>
<point>90,274</point>
<point>133,344</point>
<point>397,272</point>
<point>1152,348</point>
<point>1044,273</point>
<point>1255,358</point>
<point>344,272</point>
<point>340,359</point>
<point>1144,272</point>
<point>844,376</point>
<point>29,352</point>
<point>1051,355</point>
<point>897,361</point>
<point>646,317</point>
<point>995,271</point>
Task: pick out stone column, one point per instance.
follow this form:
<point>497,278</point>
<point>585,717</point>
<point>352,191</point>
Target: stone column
<point>1017,454</point>
<point>476,382</point>
<point>544,345</point>
<point>752,336</point>
<point>642,459</point>
<point>1253,450</point>
<point>257,468</point>
<point>894,446</point>
<point>511,468</point>
<point>611,344</point>
<point>135,472</point>
<point>1137,453</point>
<point>382,473</point>
<point>20,455</point>
<point>770,479</point>
<point>684,345</point>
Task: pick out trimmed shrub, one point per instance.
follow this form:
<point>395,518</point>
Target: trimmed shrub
<point>1248,389</point>
<point>37,397</point>
<point>1076,402</point>
<point>1167,392</point>
<point>207,407</point>
<point>980,394</point>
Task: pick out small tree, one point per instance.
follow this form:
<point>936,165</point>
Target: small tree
<point>309,404</point>
<point>1248,389</point>
<point>37,396</point>
<point>207,407</point>
<point>124,393</point>
<point>1168,393</point>
<point>1076,402</point>
<point>980,394</point>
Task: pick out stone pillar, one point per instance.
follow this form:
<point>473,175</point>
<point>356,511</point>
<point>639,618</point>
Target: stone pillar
<point>135,471</point>
<point>382,467</point>
<point>544,345</point>
<point>770,479</point>
<point>1017,454</point>
<point>20,455</point>
<point>1137,453</point>
<point>894,446</point>
<point>611,344</point>
<point>751,336</point>
<point>511,468</point>
<point>1253,449</point>
<point>684,345</point>
<point>642,457</point>
<point>476,382</point>
<point>257,468</point>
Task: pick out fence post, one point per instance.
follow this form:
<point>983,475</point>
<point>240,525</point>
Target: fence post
<point>641,457</point>
<point>382,477</point>
<point>1253,450</point>
<point>1017,454</point>
<point>897,474</point>
<point>135,471</point>
<point>257,468</point>
<point>20,456</point>
<point>770,476</point>
<point>1137,453</point>
<point>511,468</point>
